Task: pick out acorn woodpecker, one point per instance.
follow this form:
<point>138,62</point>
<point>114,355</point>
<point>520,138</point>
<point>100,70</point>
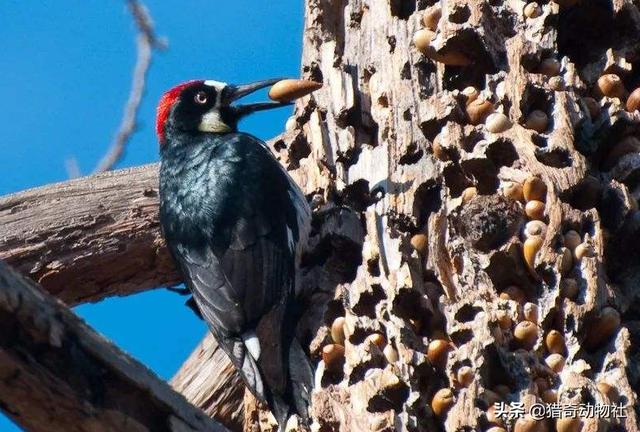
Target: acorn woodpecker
<point>234,221</point>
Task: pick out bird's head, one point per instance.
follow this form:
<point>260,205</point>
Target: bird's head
<point>205,106</point>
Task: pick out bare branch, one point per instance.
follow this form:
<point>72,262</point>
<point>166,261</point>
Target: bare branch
<point>59,374</point>
<point>146,42</point>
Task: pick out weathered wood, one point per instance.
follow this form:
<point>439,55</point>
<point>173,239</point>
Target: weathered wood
<point>57,374</point>
<point>89,238</point>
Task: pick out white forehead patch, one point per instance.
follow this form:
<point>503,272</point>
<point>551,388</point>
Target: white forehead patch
<point>215,84</point>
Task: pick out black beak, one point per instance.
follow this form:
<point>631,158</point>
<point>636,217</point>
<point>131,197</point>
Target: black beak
<point>235,92</point>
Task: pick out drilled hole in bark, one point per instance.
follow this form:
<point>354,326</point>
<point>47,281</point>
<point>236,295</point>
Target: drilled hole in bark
<point>279,145</point>
<point>556,158</point>
<point>392,398</point>
<point>470,140</point>
<point>484,172</point>
<point>405,73</point>
<point>467,313</point>
<point>368,300</point>
<point>507,269</point>
<point>340,256</point>
<point>539,140</point>
<point>413,155</point>
<point>300,149</point>
<point>408,304</point>
<point>455,179</point>
<point>586,32</point>
<point>460,77</point>
<point>314,72</point>
<point>356,195</point>
<point>536,98</point>
<point>426,200</point>
<point>424,69</point>
<point>461,337</point>
<point>373,266</point>
<point>431,128</point>
<point>335,309</point>
<point>402,9</point>
<point>502,153</point>
<point>584,195</point>
<point>460,13</point>
<point>391,40</point>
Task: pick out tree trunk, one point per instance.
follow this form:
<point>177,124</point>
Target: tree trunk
<point>533,315</point>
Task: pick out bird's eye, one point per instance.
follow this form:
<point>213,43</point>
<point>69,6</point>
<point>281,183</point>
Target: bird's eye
<point>201,97</point>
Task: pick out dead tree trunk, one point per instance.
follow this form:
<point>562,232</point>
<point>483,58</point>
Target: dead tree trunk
<point>532,295</point>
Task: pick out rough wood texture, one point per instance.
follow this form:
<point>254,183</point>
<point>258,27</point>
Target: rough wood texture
<point>390,136</point>
<point>57,374</point>
<point>89,238</point>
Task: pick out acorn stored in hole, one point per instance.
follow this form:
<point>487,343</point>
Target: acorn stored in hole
<point>532,10</point>
<point>603,327</point>
<point>465,376</point>
<point>554,341</point>
<point>572,239</point>
<point>534,189</point>
<point>333,355</point>
<point>471,93</point>
<point>530,249</point>
<point>526,334</point>
<point>376,339</point>
<point>611,85</point>
<point>550,396</point>
<point>555,362</point>
<point>633,101</point>
<point>431,17</point>
<point>337,330</point>
<point>497,122</point>
<point>390,353</point>
<point>535,228</point>
<point>537,120</point>
<point>479,110</point>
<point>468,194</point>
<point>437,352</point>
<point>549,67</point>
<point>534,209</point>
<point>442,401</point>
<point>513,190</point>
<point>422,39</point>
<point>530,312</point>
<point>288,90</point>
<point>583,250</point>
<point>420,243</point>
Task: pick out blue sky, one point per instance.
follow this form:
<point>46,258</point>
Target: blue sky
<point>66,69</point>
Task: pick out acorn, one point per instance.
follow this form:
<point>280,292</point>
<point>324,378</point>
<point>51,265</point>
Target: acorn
<point>390,353</point>
<point>549,67</point>
<point>626,146</point>
<point>437,352</point>
<point>442,401</point>
<point>376,339</point>
<point>535,209</point>
<point>633,101</point>
<point>468,194</point>
<point>568,424</point>
<point>537,120</point>
<point>605,325</point>
<point>532,10</point>
<point>550,396</point>
<point>534,189</point>
<point>535,227</point>
<point>439,151</point>
<point>420,243</point>
<point>555,362</point>
<point>337,330</point>
<point>569,288</point>
<point>513,190</point>
<point>554,341</point>
<point>526,334</point>
<point>592,106</point>
<point>504,320</point>
<point>333,355</point>
<point>470,93</point>
<point>515,293</point>
<point>431,17</point>
<point>526,424</point>
<point>608,390</point>
<point>479,110</point>
<point>290,89</point>
<point>530,312</point>
<point>583,250</point>
<point>497,123</point>
<point>566,260</point>
<point>572,239</point>
<point>530,249</point>
<point>492,418</point>
<point>422,39</point>
<point>465,376</point>
<point>556,83</point>
<point>611,85</point>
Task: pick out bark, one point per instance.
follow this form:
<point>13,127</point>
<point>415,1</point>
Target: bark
<point>89,238</point>
<point>56,373</point>
<point>390,137</point>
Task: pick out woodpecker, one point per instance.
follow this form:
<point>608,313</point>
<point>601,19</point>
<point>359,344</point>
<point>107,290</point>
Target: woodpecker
<point>234,222</point>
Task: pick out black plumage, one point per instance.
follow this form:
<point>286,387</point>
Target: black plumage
<point>233,220</point>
